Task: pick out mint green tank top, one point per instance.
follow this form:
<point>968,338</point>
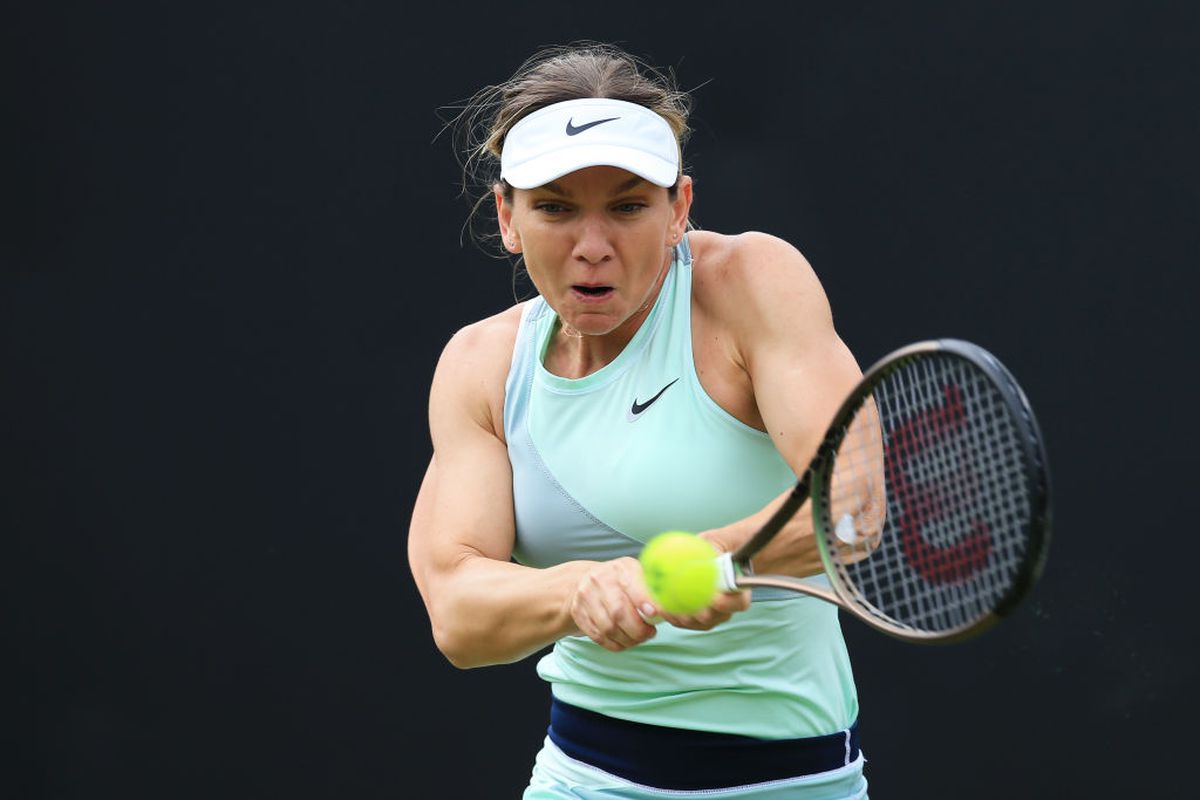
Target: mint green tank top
<point>603,463</point>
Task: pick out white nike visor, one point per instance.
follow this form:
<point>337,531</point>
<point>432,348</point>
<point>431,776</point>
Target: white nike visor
<point>590,132</point>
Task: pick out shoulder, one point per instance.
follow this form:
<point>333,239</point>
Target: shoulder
<point>472,370</point>
<point>753,277</point>
<point>482,343</point>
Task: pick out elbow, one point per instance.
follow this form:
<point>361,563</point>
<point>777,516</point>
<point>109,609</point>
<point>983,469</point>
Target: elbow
<point>450,647</point>
<point>465,658</point>
<point>460,658</point>
<point>466,649</point>
<point>456,643</point>
<point>458,649</point>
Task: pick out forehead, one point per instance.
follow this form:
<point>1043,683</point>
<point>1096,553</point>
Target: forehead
<point>595,180</point>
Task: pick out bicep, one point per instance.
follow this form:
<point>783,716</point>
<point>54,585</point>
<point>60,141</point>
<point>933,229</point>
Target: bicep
<point>798,388</point>
<point>799,368</point>
<point>464,507</point>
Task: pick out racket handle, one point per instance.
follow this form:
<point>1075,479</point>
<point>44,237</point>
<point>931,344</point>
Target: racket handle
<point>726,574</point>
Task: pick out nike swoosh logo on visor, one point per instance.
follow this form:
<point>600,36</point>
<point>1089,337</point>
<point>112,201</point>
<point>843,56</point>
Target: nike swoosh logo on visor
<point>573,130</point>
<point>637,408</point>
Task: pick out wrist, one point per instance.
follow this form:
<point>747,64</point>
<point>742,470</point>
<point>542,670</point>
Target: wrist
<point>726,539</point>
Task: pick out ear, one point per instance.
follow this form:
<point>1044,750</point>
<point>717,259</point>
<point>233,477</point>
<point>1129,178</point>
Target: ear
<point>681,207</point>
<point>508,234</point>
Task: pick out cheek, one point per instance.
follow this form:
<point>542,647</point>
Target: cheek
<point>543,251</point>
<point>540,265</point>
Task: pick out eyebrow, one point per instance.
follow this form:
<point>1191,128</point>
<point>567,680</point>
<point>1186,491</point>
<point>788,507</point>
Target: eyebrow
<point>629,184</point>
<point>624,187</point>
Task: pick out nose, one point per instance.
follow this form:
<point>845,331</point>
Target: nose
<point>593,242</point>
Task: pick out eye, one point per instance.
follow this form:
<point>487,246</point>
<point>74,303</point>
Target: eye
<point>632,207</point>
<point>549,207</point>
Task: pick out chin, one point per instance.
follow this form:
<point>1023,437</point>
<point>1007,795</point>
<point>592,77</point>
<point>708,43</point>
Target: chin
<point>593,329</point>
<point>593,324</point>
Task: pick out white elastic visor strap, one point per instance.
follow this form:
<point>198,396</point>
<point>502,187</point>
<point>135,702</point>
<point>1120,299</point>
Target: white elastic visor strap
<point>574,134</point>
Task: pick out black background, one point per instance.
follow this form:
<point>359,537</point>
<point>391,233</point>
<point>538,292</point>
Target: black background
<point>231,257</point>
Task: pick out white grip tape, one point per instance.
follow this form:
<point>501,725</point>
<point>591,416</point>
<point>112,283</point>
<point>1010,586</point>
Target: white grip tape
<point>726,575</point>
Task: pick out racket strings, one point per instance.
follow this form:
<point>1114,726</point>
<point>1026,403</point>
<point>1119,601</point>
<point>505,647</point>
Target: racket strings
<point>928,505</point>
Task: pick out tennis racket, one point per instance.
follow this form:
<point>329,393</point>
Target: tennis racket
<point>930,498</point>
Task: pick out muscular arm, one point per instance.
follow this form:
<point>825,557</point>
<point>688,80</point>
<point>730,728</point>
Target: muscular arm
<point>799,372</point>
<point>483,608</point>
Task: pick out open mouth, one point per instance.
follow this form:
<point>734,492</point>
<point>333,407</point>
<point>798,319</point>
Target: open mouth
<point>592,292</point>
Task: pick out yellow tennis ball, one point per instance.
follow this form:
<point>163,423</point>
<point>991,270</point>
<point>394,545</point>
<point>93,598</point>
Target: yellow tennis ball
<point>681,571</point>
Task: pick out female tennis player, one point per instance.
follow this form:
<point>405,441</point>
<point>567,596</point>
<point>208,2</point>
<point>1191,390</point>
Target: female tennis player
<point>664,378</point>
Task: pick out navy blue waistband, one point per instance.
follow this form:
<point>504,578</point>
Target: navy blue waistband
<point>673,758</point>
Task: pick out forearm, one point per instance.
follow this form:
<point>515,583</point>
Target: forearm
<point>486,611</point>
<point>792,551</point>
<point>859,496</point>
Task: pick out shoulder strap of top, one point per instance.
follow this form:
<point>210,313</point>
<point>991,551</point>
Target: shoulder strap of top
<point>520,371</point>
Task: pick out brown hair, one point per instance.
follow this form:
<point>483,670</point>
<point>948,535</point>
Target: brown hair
<point>553,75</point>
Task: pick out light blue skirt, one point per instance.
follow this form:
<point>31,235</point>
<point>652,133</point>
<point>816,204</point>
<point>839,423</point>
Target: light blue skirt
<point>556,776</point>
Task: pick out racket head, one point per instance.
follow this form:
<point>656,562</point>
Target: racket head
<point>931,497</point>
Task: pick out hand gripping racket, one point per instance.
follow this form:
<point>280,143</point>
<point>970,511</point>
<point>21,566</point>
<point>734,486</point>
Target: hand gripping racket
<point>930,497</point>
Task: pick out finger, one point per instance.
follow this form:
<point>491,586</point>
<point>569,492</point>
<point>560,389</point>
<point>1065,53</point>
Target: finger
<point>701,620</point>
<point>600,632</point>
<point>623,613</point>
<point>587,609</point>
<point>631,625</point>
<point>622,629</point>
<point>618,625</point>
<point>731,602</point>
<point>634,583</point>
<point>723,607</point>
